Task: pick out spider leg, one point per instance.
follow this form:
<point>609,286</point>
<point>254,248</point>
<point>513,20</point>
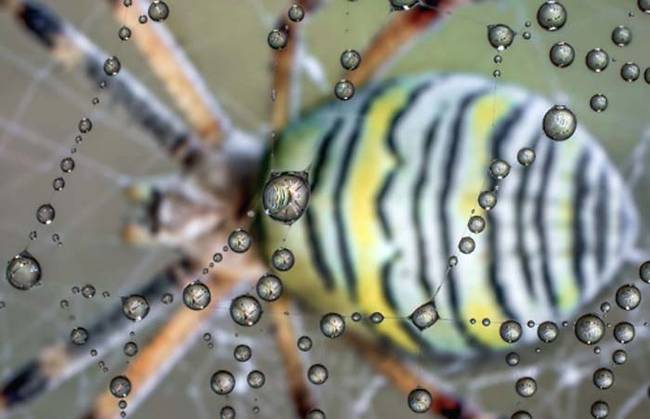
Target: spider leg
<point>284,65</point>
<point>177,73</point>
<point>404,379</point>
<point>286,342</point>
<point>62,360</point>
<point>72,49</point>
<point>173,340</point>
<point>397,35</point>
<point>170,211</point>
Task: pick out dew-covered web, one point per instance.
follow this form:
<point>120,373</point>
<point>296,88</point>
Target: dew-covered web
<point>42,102</point>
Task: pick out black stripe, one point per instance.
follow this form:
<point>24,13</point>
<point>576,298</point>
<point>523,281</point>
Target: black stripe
<point>421,181</point>
<point>499,137</point>
<point>392,146</point>
<point>405,324</point>
<point>520,226</point>
<point>313,237</point>
<point>581,189</point>
<point>28,382</point>
<point>348,155</point>
<point>455,137</point>
<point>323,152</point>
<point>42,22</point>
<point>601,223</point>
<point>540,219</point>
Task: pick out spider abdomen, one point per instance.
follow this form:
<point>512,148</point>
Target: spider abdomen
<point>395,175</point>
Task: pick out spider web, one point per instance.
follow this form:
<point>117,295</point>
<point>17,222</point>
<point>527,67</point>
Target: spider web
<point>42,102</point>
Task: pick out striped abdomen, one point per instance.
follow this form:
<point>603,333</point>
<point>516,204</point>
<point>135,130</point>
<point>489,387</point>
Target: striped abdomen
<point>395,174</point>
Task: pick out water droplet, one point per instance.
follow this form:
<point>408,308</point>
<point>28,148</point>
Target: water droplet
<point>350,59</point>
<point>315,414</point>
<point>598,102</point>
<point>269,287</point>
<point>499,169</point>
<point>135,307</point>
<point>88,291</point>
<point>296,13</point>
<point>130,348</point>
<point>510,331</point>
<point>45,214</point>
<point>547,331</point>
<point>526,386</point>
<point>452,261</point>
<point>124,33</point>
<point>644,269</point>
<point>344,90</point>
<point>112,66</point>
<point>512,359</point>
<point>332,325</point>
<point>559,123</point>
<point>23,271</point>
<point>487,200</point>
<point>526,156</point>
<point>142,19</point>
<point>245,310</point>
<point>424,316</point>
<point>476,224</point>
<point>628,297</point>
<point>196,295</point>
<point>630,72</point>
<point>619,357</point>
<point>599,409</point>
<point>167,298</point>
<point>589,329</point>
<point>562,54</point>
<point>227,412</point>
<point>158,11</point>
<point>317,374</point>
<point>67,165</point>
<point>277,39</point>
<point>603,378</point>
<point>239,241</point>
<point>255,379</point>
<point>304,343</point>
<point>286,196</point>
<point>551,15</point>
<point>242,353</point>
<point>621,36</point>
<point>222,382</point>
<point>419,400</point>
<point>120,386</point>
<point>282,259</point>
<point>624,332</point>
<point>597,60</point>
<point>79,336</point>
<point>500,36</point>
<point>466,245</point>
<point>376,317</point>
<point>644,6</point>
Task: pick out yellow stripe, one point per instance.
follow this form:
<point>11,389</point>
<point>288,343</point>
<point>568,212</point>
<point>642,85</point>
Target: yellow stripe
<point>477,300</point>
<point>369,250</point>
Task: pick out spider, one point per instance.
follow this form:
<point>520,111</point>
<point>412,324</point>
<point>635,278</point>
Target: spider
<point>222,167</point>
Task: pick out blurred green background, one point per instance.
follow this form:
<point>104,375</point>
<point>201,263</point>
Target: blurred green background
<point>40,104</point>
